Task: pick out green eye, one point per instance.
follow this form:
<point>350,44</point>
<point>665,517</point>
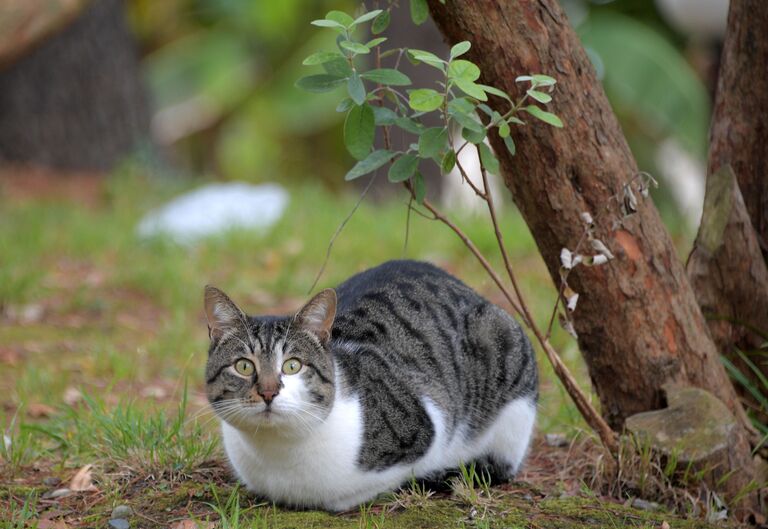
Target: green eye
<point>244,367</point>
<point>291,366</point>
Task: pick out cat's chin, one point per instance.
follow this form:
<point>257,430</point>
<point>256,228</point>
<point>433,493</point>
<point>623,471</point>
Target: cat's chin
<point>267,420</point>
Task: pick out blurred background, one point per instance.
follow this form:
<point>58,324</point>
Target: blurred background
<point>111,110</point>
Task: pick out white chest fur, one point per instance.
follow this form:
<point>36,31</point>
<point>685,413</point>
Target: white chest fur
<point>320,468</point>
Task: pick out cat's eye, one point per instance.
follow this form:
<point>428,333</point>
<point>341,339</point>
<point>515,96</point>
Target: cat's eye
<point>244,367</point>
<point>291,366</point>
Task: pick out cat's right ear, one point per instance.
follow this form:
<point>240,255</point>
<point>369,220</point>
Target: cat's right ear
<point>222,313</point>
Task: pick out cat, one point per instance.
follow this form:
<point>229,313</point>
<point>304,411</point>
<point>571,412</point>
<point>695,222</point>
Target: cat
<point>402,372</point>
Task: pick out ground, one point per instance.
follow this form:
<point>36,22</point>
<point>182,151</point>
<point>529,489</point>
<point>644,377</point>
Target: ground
<point>103,343</point>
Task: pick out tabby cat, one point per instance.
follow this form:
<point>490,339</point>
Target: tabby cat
<point>402,372</point>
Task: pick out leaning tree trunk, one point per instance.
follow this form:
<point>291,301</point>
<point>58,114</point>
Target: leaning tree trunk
<point>638,322</point>
<point>728,265</point>
<point>729,277</point>
<point>74,100</point>
<point>739,134</point>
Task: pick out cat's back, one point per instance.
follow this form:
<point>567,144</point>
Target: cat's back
<point>408,336</point>
<point>412,280</point>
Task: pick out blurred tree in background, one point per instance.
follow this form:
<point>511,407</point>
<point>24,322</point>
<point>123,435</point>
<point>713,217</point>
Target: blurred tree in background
<point>220,73</point>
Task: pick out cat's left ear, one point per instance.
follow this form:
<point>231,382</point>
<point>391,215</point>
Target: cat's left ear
<point>318,314</point>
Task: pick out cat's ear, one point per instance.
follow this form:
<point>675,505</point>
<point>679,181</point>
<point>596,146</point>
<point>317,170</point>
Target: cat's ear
<point>318,314</point>
<point>222,313</point>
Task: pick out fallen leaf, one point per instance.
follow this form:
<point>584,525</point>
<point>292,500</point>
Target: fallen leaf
<point>38,410</point>
<point>154,392</point>
<point>83,480</point>
<point>72,396</point>
<point>664,525</point>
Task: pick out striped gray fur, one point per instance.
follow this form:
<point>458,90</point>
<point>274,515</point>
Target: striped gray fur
<point>404,331</point>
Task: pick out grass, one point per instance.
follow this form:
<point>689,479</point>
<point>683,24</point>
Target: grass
<point>100,332</point>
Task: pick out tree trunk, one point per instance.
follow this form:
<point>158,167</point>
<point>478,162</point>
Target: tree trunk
<point>739,132</point>
<point>727,266</point>
<point>729,277</point>
<point>638,321</point>
<point>75,101</point>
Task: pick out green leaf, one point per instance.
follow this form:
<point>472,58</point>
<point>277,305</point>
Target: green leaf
<point>427,58</point>
<point>359,128</point>
<point>381,23</point>
<point>328,24</point>
<point>471,89</point>
<point>432,142</point>
<point>321,57</point>
<point>344,105</point>
<point>319,83</point>
<point>488,159</point>
<point>460,105</point>
<point>419,189</point>
<point>355,47</point>
<point>384,116</point>
<point>516,120</point>
<point>494,91</point>
<point>410,125</point>
<point>523,78</point>
<point>461,69</point>
<point>338,67</point>
<point>340,17</point>
<point>473,136</point>
<point>543,115</point>
<point>543,80</point>
<point>403,168</point>
<point>541,97</point>
<point>419,11</point>
<point>356,88</point>
<point>496,118</point>
<point>425,99</point>
<point>372,162</point>
<point>375,42</point>
<point>504,129</point>
<point>467,121</point>
<point>449,162</point>
<point>367,16</point>
<point>509,142</point>
<point>387,76</point>
<point>460,49</point>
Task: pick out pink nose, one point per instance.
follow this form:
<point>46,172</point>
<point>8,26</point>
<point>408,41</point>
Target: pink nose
<point>268,395</point>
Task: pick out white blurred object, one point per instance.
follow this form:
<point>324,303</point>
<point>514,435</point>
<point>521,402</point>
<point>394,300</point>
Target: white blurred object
<point>685,176</point>
<point>457,195</point>
<point>216,208</point>
<point>696,18</point>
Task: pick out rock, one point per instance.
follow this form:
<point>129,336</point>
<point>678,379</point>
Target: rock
<point>58,493</point>
<point>216,208</point>
<point>556,440</point>
<point>119,523</point>
<point>695,425</point>
<point>122,511</point>
<point>644,505</point>
<point>700,434</point>
<point>51,481</point>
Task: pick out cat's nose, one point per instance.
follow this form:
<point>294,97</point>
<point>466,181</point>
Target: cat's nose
<point>268,395</point>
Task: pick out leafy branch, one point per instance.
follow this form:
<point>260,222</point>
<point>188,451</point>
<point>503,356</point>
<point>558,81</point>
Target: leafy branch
<point>377,98</point>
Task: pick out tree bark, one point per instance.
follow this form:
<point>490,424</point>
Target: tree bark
<point>75,101</point>
<point>739,133</point>
<point>638,321</point>
<point>729,276</point>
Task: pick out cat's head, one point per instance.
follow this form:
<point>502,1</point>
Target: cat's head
<point>270,372</point>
